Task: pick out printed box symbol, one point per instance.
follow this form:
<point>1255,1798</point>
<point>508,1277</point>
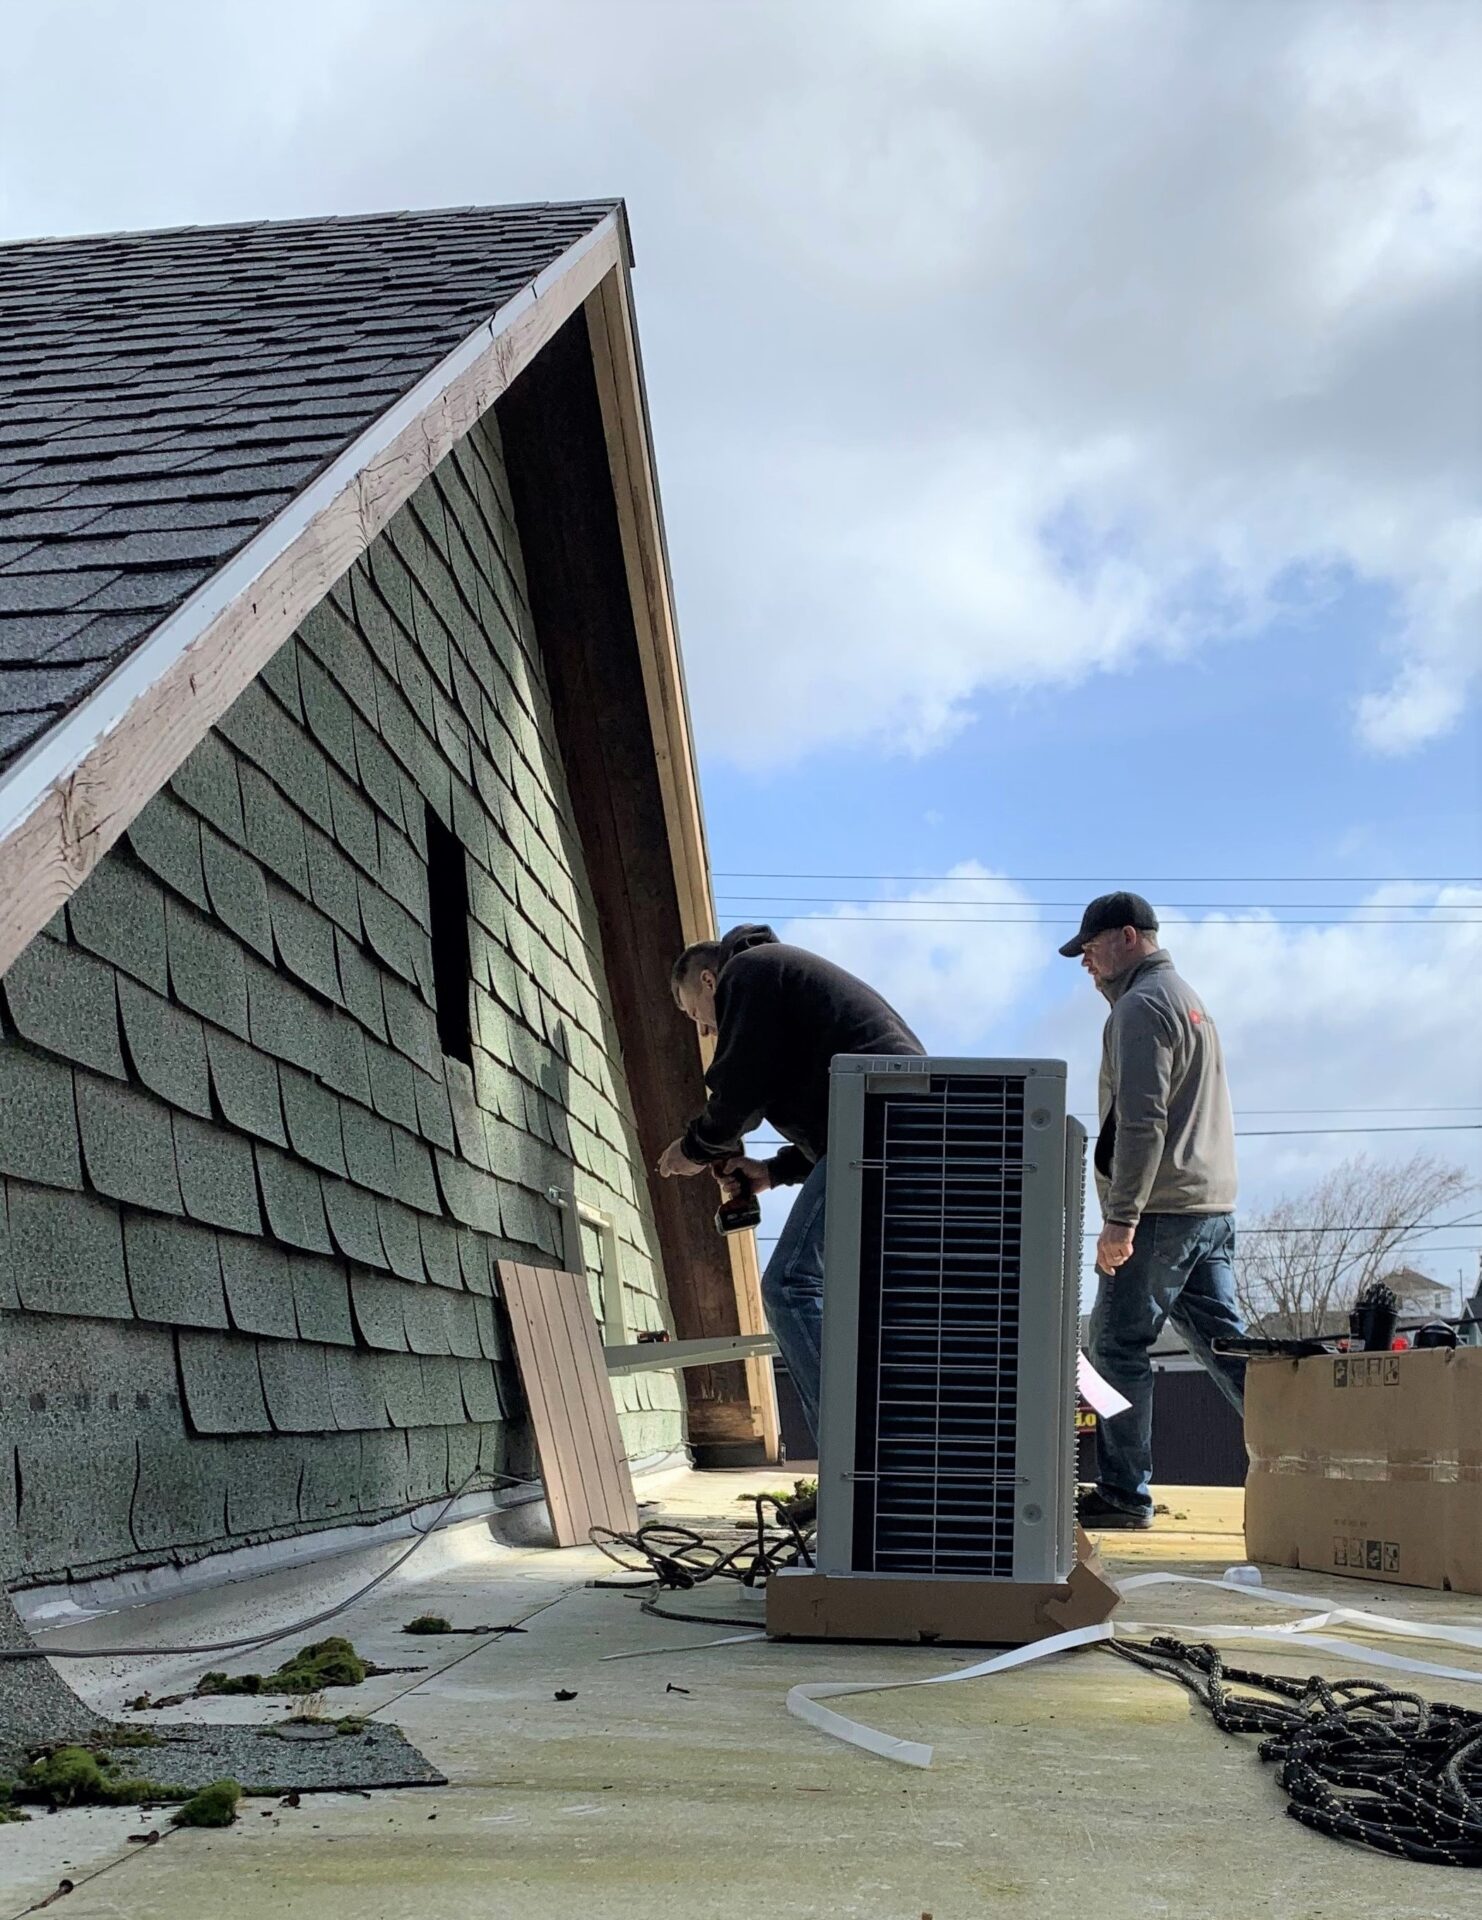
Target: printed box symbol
<point>1340,1552</point>
<point>1391,1556</point>
<point>1340,1373</point>
<point>1391,1369</point>
<point>1355,1552</point>
<point>1374,1555</point>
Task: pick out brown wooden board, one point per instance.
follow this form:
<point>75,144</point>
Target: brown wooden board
<point>582,1462</point>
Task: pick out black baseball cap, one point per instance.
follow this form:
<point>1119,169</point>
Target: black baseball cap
<point>1111,910</point>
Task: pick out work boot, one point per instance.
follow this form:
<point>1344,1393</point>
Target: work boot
<point>1099,1515</point>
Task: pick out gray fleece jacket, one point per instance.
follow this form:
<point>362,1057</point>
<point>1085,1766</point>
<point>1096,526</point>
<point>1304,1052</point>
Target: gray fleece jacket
<point>1167,1141</point>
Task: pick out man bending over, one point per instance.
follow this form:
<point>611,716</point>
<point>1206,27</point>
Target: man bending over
<point>779,1015</point>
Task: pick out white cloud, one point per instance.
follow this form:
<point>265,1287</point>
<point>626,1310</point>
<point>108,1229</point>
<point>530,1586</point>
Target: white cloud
<point>1194,287</point>
<point>1356,1016</point>
<point>1321,1025</point>
<point>990,346</point>
<point>1315,1020</point>
<point>952,977</point>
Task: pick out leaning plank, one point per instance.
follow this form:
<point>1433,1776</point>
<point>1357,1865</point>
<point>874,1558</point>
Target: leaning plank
<point>559,1349</point>
<point>589,1374</point>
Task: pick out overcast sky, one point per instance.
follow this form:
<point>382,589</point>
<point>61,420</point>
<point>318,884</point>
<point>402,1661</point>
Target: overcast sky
<point>1068,421</point>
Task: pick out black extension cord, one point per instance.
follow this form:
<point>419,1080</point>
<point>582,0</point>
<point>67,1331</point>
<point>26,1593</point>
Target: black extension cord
<point>1357,1761</point>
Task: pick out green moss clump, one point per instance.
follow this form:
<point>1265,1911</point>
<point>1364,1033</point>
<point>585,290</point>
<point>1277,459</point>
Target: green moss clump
<point>230,1683</point>
<point>326,1663</point>
<point>351,1723</point>
<point>428,1623</point>
<point>334,1670</point>
<point>804,1494</point>
<point>9,1814</point>
<point>213,1806</point>
<point>74,1777</point>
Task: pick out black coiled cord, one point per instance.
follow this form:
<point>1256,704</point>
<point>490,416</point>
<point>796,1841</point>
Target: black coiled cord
<point>1357,1761</point>
<point>678,1559</point>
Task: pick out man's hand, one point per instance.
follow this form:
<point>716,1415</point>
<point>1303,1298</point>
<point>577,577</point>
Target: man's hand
<point>675,1161</point>
<point>1114,1247</point>
<point>755,1171</point>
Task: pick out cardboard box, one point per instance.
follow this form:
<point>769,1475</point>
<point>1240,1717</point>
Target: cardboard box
<point>806,1605</point>
<point>1368,1464</point>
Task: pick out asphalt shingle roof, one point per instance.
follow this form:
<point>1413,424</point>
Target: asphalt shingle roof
<point>164,395</point>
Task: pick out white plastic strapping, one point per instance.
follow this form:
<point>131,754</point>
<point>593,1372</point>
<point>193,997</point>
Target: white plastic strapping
<point>806,1702</point>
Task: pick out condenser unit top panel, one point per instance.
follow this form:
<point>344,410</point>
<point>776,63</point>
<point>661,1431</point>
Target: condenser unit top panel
<point>932,1065</point>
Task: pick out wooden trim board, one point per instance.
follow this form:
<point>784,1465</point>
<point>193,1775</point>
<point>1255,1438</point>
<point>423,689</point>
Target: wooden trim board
<point>66,800</point>
<point>582,1463</point>
<point>619,373</point>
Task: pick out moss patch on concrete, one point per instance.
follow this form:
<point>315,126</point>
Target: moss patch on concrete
<point>326,1663</point>
<point>213,1806</point>
<point>86,1777</point>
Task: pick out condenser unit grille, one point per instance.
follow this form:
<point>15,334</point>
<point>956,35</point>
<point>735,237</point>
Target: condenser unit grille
<point>942,1193</point>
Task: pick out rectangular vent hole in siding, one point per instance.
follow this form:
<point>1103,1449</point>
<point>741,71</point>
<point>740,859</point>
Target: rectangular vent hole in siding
<point>447,887</point>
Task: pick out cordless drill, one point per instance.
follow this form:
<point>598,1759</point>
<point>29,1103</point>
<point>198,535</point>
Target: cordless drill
<point>743,1210</point>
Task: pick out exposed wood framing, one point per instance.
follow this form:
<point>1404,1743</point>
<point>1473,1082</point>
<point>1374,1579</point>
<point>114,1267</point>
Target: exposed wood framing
<point>624,403</point>
<point>582,602</point>
<point>63,804</point>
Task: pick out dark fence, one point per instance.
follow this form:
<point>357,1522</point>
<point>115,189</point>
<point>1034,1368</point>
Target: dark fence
<point>1198,1440</point>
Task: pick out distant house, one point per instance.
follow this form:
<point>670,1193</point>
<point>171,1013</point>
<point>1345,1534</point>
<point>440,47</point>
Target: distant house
<point>348,826</point>
<point>1418,1294</point>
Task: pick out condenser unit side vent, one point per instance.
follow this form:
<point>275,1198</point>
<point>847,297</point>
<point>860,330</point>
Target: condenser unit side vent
<point>951,1295</point>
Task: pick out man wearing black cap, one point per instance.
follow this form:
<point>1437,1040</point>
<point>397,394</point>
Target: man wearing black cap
<point>1165,1174</point>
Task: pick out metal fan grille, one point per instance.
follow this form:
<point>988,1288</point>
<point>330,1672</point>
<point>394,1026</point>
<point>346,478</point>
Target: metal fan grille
<point>935,1463</point>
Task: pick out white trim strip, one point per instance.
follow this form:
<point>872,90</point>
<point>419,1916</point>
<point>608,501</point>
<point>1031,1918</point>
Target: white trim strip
<point>803,1702</point>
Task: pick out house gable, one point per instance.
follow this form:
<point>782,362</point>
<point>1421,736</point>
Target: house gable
<point>250,1207</point>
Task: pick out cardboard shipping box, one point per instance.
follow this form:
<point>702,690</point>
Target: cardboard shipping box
<point>1368,1464</point>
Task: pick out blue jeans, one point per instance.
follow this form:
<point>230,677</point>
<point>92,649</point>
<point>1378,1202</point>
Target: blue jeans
<point>1182,1269</point>
<point>792,1293</point>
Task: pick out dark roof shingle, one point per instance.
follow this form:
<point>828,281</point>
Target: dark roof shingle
<point>164,395</point>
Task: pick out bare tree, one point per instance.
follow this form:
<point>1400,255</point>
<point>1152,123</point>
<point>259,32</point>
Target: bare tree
<point>1302,1264</point>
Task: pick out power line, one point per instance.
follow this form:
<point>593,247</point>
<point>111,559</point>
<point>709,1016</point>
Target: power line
<point>1264,1112</point>
<point>1148,880</point>
<point>1287,1133</point>
<point>1245,1233</point>
<point>1415,1230</point>
<point>1291,1133</point>
<point>1169,906</point>
<point>966,920</point>
<point>1253,1113</point>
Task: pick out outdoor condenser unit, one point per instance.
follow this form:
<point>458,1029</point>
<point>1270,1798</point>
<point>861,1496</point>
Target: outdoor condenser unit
<point>951,1309</point>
